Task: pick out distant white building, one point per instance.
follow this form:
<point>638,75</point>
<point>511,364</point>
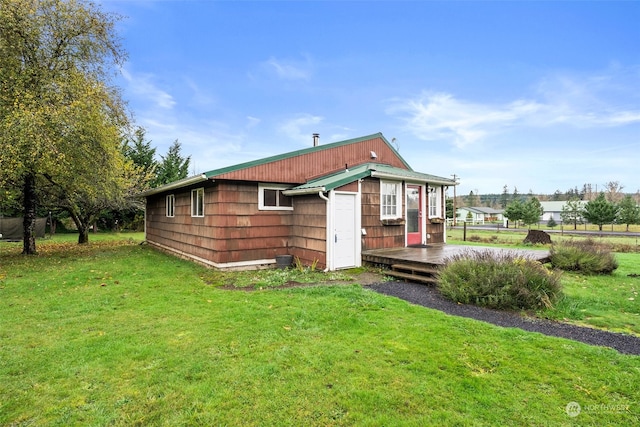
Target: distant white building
<point>553,210</point>
<point>479,214</point>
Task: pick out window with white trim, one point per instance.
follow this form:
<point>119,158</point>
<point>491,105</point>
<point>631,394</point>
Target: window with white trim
<point>171,205</point>
<point>270,198</point>
<point>390,200</point>
<point>197,202</point>
<point>434,202</point>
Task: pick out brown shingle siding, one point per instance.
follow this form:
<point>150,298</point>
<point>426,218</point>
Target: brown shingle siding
<point>301,168</point>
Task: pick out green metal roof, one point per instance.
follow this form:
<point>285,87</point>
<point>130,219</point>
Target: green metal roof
<point>291,154</point>
<point>327,182</point>
<point>335,180</point>
<point>382,171</point>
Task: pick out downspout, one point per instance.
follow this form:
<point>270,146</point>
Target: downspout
<point>322,196</point>
<point>326,199</point>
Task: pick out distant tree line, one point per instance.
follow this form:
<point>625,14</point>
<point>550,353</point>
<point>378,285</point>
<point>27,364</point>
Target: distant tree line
<point>587,205</point>
<point>613,191</point>
<point>599,211</point>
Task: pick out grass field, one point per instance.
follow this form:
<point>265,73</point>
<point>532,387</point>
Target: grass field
<point>115,333</point>
<point>512,237</point>
<point>607,302</point>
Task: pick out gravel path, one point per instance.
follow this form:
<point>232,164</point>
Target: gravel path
<point>428,296</point>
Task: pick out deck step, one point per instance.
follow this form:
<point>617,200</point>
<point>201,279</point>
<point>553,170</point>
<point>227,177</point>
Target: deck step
<point>412,277</point>
<point>416,273</point>
<point>422,269</point>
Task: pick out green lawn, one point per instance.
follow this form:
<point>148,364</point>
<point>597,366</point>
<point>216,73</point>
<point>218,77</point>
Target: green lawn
<point>602,301</point>
<point>511,237</point>
<point>120,334</point>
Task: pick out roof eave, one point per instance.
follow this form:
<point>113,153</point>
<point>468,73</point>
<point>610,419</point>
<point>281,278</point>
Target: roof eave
<point>304,191</point>
<point>174,185</point>
<point>398,177</point>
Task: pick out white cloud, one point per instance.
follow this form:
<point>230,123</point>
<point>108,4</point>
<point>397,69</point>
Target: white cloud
<point>289,69</point>
<point>437,116</point>
<point>301,128</point>
<point>142,85</point>
<point>599,101</point>
<point>252,121</point>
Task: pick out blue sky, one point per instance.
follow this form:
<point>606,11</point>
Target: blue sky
<point>535,95</point>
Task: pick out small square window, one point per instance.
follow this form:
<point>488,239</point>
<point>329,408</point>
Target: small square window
<point>270,197</point>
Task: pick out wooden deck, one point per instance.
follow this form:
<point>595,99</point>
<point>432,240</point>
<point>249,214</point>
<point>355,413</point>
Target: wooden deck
<point>421,264</point>
<point>436,255</point>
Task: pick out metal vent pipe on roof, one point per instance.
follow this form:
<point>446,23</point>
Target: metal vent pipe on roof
<point>316,139</point>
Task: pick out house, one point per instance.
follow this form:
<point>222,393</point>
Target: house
<point>322,204</point>
<point>479,214</point>
<point>554,209</point>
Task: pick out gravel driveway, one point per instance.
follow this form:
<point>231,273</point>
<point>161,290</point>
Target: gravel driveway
<point>428,296</point>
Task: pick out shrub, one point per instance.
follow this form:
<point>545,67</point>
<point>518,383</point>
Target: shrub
<point>585,256</point>
<point>499,280</point>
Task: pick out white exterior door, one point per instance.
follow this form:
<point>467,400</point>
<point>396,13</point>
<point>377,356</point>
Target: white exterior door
<point>346,242</point>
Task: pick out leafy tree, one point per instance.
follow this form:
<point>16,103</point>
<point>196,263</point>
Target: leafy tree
<point>628,212</point>
<point>572,212</point>
<point>600,211</point>
<point>57,115</point>
<point>514,211</point>
<point>531,212</point>
<point>139,151</point>
<point>97,176</point>
<point>173,166</point>
<point>614,191</point>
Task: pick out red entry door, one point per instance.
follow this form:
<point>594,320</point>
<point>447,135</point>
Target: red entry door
<point>414,215</point>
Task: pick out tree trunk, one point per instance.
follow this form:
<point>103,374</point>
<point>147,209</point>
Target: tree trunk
<point>29,218</point>
<point>81,225</point>
<point>83,234</point>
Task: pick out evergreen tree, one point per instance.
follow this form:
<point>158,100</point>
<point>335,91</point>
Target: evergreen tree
<point>572,212</point>
<point>140,152</point>
<point>531,211</point>
<point>628,212</point>
<point>551,223</point>
<point>472,199</point>
<point>449,207</point>
<point>514,211</point>
<point>600,211</point>
<point>173,166</point>
<point>504,198</point>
